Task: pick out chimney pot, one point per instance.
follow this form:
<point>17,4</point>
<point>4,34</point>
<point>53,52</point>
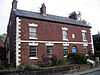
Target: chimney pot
<point>14,4</point>
<point>43,9</point>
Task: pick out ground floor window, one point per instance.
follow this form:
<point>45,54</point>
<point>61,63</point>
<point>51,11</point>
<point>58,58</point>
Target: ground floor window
<point>65,50</point>
<point>49,50</point>
<point>33,50</point>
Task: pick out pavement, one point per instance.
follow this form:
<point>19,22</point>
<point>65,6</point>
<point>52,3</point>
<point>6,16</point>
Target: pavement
<point>86,71</point>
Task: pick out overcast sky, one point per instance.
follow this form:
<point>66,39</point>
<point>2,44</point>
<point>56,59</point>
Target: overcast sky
<point>90,10</point>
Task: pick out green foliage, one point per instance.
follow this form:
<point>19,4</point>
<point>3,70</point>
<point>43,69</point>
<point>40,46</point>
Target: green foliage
<point>81,59</point>
<point>52,61</point>
<point>61,61</point>
<point>84,21</point>
<point>2,67</point>
<point>28,67</point>
<point>77,58</point>
<point>7,67</point>
<point>2,37</point>
<point>75,15</point>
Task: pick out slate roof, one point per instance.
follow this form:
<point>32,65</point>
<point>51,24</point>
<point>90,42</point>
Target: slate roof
<point>53,18</point>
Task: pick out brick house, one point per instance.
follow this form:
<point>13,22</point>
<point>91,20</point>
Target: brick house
<point>30,35</point>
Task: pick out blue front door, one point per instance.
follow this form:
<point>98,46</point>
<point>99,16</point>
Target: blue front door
<point>74,50</point>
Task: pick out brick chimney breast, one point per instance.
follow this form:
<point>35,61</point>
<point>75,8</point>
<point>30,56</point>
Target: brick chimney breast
<point>43,10</point>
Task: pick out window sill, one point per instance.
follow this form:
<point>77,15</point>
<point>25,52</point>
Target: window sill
<point>65,39</point>
<point>84,40</point>
<point>85,44</point>
<point>65,56</point>
<point>32,38</point>
<point>33,58</point>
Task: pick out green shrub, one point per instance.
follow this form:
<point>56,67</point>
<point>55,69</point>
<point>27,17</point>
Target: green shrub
<point>2,67</point>
<point>10,66</point>
<point>59,62</point>
<point>28,67</point>
<point>52,61</point>
<point>7,67</point>
<point>62,61</point>
<point>77,58</point>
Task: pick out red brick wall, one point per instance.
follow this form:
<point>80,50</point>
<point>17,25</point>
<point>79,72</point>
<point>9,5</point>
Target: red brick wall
<point>24,53</point>
<point>49,31</point>
<point>24,29</point>
<point>58,51</point>
<point>41,51</point>
<point>52,31</point>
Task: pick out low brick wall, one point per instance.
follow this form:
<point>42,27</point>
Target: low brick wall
<point>59,70</point>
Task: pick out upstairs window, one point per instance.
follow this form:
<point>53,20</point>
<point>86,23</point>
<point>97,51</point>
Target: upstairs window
<point>65,34</point>
<point>32,32</point>
<point>84,35</point>
<point>73,36</point>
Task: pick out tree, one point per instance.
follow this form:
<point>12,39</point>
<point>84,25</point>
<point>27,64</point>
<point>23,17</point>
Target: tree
<point>84,21</point>
<point>75,15</point>
<point>2,37</point>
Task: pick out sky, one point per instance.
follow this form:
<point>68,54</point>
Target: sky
<point>90,10</point>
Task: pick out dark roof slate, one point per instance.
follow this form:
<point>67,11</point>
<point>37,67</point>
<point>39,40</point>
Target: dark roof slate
<point>35,15</point>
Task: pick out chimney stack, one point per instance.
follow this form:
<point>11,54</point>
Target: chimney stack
<point>14,4</point>
<point>43,9</point>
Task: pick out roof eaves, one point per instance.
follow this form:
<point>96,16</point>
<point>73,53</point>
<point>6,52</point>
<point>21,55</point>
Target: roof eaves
<point>29,14</point>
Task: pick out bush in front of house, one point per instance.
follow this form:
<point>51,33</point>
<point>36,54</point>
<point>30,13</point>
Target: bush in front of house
<point>77,59</point>
<point>62,61</point>
<point>28,67</point>
<point>2,67</point>
<point>52,61</point>
<point>7,67</point>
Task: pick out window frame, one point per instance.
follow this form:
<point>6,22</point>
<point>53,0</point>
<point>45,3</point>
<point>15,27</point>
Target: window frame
<point>65,50</point>
<point>31,52</point>
<point>51,51</point>
<point>33,34</point>
<point>84,35</point>
<point>65,33</point>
